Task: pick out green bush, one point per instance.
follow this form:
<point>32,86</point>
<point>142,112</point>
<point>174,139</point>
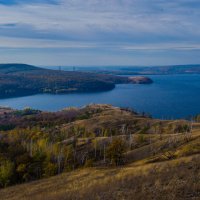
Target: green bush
<point>6,172</point>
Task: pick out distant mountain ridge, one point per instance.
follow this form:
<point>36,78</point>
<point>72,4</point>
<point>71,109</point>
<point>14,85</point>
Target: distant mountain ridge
<point>144,70</point>
<point>172,69</point>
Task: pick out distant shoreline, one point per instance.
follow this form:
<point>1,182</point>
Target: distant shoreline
<point>17,80</point>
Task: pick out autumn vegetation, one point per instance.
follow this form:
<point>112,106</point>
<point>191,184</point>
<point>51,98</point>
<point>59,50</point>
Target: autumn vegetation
<point>97,152</point>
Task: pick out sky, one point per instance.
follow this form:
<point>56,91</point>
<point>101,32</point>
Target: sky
<point>100,32</point>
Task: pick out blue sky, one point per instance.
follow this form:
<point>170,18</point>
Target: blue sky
<point>100,32</point>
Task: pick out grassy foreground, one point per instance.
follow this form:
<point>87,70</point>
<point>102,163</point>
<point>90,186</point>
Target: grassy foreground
<point>176,179</point>
<point>160,159</point>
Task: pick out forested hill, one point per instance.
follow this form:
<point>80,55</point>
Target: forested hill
<point>15,68</point>
<point>22,79</point>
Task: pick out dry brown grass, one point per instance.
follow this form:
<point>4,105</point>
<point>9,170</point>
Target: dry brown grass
<point>176,179</point>
<point>149,175</point>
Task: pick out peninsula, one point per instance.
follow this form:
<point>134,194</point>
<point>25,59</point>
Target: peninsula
<point>22,79</point>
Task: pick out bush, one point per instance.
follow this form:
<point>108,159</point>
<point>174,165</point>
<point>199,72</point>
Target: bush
<point>6,172</point>
<point>50,169</point>
<point>115,151</point>
<point>182,128</point>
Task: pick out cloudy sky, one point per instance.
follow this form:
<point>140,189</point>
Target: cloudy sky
<point>100,32</point>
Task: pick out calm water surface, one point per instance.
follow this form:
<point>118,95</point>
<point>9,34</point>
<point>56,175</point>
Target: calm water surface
<point>170,96</point>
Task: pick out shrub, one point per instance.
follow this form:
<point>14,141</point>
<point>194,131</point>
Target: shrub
<point>6,172</point>
<point>50,169</point>
<point>115,151</point>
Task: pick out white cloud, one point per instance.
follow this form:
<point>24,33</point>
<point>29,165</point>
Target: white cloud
<point>96,24</point>
<point>91,16</point>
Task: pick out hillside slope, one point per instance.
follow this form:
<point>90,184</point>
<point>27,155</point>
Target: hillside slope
<point>177,179</point>
<point>107,152</point>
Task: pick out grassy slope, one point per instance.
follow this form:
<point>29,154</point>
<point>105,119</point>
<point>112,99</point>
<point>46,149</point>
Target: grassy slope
<point>148,174</point>
<point>176,179</point>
